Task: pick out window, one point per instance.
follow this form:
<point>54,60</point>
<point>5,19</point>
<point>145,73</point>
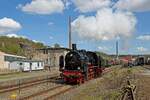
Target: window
<point>38,64</point>
<point>46,61</point>
<point>12,58</point>
<point>20,64</point>
<point>45,51</point>
<point>30,64</point>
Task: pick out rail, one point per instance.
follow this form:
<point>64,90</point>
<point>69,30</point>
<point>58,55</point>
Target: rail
<point>20,85</point>
<point>40,93</point>
<point>128,93</point>
<point>59,93</point>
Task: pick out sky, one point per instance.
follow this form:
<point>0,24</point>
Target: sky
<point>96,24</point>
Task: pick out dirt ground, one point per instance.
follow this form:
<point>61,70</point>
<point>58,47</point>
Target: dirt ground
<point>110,85</point>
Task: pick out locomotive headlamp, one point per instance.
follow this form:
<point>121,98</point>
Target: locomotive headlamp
<point>78,68</point>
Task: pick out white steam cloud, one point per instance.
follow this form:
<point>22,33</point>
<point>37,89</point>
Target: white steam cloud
<point>106,25</point>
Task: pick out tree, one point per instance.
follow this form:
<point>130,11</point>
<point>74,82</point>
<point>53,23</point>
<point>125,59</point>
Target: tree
<point>56,45</point>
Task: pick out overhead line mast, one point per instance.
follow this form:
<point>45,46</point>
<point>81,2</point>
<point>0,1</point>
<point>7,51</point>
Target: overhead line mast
<point>117,49</point>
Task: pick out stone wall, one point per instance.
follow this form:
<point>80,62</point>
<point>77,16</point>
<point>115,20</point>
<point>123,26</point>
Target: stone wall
<point>51,57</point>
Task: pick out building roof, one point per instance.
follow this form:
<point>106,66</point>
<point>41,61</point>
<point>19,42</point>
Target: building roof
<point>5,54</point>
<point>29,60</point>
<point>14,56</point>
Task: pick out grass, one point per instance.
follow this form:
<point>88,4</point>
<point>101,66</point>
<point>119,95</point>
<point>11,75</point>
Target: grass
<point>12,75</point>
<point>108,87</point>
<point>143,86</point>
<point>19,74</point>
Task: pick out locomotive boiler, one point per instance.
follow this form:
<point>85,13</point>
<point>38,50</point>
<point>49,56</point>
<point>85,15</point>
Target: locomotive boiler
<point>80,66</point>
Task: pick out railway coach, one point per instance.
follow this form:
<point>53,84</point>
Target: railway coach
<point>140,61</point>
<point>148,61</point>
<point>80,66</point>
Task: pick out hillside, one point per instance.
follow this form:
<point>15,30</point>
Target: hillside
<point>18,46</point>
<point>104,55</point>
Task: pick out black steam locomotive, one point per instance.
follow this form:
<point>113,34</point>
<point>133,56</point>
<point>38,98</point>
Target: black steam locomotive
<point>80,65</point>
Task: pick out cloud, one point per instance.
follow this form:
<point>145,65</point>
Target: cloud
<point>91,5</point>
<point>21,36</point>
<point>44,7</point>
<point>36,41</point>
<point>50,37</point>
<point>67,3</point>
<point>105,25</point>
<point>103,48</point>
<point>80,42</point>
<point>8,25</point>
<point>133,5</point>
<point>144,37</point>
<point>142,49</point>
<point>15,36</point>
<point>50,23</point>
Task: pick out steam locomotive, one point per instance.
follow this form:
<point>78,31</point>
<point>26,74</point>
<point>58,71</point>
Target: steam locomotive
<point>80,66</point>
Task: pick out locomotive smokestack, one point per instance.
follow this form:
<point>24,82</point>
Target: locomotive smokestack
<point>74,47</point>
<point>70,44</point>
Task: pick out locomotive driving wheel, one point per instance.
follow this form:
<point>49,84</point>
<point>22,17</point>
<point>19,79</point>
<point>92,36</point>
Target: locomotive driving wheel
<point>81,80</point>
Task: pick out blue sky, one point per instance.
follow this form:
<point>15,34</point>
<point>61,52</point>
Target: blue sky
<point>49,23</point>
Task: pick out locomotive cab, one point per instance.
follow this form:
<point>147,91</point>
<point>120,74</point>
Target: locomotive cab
<point>61,63</point>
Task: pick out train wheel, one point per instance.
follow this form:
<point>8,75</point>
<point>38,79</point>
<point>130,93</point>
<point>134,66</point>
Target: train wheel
<point>83,80</point>
<point>80,82</point>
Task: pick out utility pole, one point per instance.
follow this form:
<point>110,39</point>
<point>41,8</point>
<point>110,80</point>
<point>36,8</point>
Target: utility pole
<point>69,31</point>
<point>117,51</point>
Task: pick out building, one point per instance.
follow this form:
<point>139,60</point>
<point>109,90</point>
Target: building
<point>27,65</point>
<point>6,59</point>
<point>51,56</point>
<point>20,63</point>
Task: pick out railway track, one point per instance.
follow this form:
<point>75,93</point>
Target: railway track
<point>50,93</point>
<point>59,93</point>
<point>147,67</point>
<point>40,93</point>
<point>46,94</point>
<point>129,92</point>
<point>64,90</point>
<point>52,96</point>
<point>10,88</point>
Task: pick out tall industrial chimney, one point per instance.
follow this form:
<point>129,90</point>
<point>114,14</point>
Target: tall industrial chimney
<point>70,42</point>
